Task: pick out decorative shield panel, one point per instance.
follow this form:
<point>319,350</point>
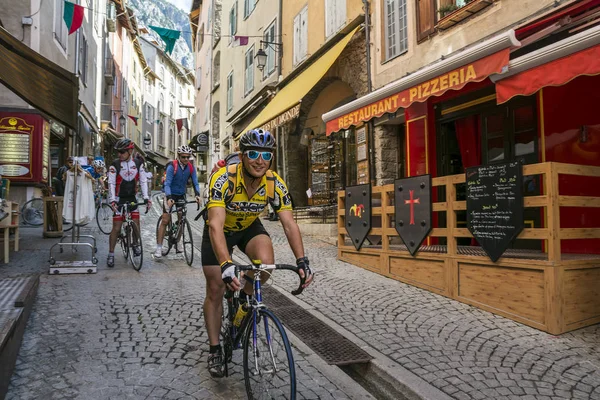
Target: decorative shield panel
<point>413,210</point>
<point>495,205</point>
<point>358,213</point>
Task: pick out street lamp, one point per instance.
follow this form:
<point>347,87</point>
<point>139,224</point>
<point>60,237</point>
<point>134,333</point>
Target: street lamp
<point>261,59</point>
<point>122,121</point>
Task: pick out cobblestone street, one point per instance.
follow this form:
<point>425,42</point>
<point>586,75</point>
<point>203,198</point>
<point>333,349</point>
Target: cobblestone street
<point>123,334</point>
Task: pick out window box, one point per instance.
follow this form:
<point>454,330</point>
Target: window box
<point>464,12</point>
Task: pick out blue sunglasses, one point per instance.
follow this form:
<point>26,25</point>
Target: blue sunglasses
<point>253,155</point>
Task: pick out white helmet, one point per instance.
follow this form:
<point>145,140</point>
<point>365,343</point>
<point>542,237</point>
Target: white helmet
<point>184,149</point>
<point>99,164</point>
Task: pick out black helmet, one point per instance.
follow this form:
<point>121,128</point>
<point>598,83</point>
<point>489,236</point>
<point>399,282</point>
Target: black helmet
<point>124,144</point>
<point>257,138</point>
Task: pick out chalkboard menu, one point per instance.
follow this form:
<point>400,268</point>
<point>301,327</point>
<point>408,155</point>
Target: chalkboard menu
<point>495,205</point>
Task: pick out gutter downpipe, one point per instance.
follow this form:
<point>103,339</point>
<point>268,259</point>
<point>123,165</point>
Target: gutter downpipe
<point>371,125</point>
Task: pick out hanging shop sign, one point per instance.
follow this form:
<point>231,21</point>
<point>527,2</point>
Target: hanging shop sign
<point>24,147</point>
<point>455,79</point>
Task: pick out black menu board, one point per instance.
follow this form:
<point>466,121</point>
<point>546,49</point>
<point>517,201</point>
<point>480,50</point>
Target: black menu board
<point>495,205</point>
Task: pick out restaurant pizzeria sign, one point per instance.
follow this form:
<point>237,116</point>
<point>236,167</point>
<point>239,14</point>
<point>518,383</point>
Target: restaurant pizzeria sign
<point>452,80</point>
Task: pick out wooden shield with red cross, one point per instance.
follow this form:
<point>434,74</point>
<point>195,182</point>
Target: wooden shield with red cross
<point>358,213</point>
<point>413,210</point>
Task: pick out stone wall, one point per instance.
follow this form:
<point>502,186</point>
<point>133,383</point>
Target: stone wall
<point>386,154</point>
<point>350,68</point>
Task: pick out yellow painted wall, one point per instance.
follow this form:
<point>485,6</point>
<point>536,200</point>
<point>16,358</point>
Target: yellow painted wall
<point>327,100</point>
<point>316,26</point>
<point>497,18</point>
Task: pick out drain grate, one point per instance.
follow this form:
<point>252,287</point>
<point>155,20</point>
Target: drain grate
<point>323,340</point>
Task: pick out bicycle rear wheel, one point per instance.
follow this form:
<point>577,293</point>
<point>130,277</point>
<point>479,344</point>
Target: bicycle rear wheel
<point>33,212</point>
<point>104,218</point>
<point>136,247</point>
<point>269,370</point>
<point>188,243</point>
<point>166,243</point>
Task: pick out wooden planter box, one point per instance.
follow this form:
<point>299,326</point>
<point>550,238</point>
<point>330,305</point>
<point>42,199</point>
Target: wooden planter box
<point>462,13</point>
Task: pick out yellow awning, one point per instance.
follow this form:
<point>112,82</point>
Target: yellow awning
<point>293,92</point>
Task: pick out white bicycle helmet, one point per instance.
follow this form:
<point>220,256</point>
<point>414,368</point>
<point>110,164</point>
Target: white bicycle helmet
<point>99,164</point>
<point>184,149</point>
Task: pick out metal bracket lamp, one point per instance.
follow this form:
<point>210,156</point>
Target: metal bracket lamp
<point>261,56</point>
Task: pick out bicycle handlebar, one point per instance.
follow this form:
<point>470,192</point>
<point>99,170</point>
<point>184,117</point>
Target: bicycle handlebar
<point>288,267</point>
<point>178,205</point>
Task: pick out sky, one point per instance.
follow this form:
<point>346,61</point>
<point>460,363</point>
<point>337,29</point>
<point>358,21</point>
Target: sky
<point>185,5</point>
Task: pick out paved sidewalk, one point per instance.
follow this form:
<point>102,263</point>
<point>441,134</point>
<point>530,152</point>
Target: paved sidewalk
<point>120,334</point>
<point>465,352</point>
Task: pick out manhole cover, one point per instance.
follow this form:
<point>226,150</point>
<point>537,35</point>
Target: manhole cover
<point>323,340</point>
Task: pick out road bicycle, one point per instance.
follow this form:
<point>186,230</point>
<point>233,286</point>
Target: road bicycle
<point>268,362</point>
<point>130,236</point>
<point>179,230</point>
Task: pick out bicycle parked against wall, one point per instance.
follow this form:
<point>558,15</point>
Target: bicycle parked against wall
<point>32,212</point>
<point>268,362</point>
<point>179,230</point>
<point>130,236</point>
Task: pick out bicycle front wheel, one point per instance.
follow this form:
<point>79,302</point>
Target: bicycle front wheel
<point>33,212</point>
<point>188,243</point>
<point>269,370</point>
<point>124,239</point>
<point>104,218</point>
<point>136,248</point>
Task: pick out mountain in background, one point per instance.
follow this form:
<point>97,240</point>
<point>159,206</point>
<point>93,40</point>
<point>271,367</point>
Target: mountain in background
<point>166,15</point>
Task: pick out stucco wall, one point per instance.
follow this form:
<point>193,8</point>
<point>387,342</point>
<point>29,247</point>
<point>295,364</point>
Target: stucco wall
<point>316,26</point>
<point>497,18</point>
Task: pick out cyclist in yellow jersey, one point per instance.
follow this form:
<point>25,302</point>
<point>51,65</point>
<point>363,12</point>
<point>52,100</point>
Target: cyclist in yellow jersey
<point>233,221</point>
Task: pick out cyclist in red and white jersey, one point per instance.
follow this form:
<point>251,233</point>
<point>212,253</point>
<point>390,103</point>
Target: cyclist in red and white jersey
<point>123,175</point>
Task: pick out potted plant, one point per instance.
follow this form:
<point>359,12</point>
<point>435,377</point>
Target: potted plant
<point>447,9</point>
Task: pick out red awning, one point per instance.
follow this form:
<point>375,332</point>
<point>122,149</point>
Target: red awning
<point>554,73</point>
<point>572,11</point>
<point>455,79</point>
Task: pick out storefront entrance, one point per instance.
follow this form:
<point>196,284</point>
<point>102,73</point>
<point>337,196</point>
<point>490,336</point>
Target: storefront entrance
<point>485,134</point>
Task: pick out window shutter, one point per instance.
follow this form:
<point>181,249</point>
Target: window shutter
<point>425,18</point>
<point>304,33</point>
<point>297,38</point>
<point>340,14</point>
<point>329,17</point>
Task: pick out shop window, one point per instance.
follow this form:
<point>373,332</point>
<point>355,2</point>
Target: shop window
<point>396,32</point>
<point>351,159</point>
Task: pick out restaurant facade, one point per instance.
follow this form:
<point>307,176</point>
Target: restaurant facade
<point>525,93</point>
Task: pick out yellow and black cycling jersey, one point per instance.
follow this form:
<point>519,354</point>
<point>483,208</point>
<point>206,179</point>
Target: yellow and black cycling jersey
<point>240,210</point>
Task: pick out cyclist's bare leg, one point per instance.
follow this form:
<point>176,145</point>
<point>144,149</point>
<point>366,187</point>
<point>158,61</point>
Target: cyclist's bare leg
<point>114,234</point>
<point>213,303</point>
<point>162,228</point>
<point>260,247</point>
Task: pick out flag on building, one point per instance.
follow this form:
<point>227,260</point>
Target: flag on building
<point>239,41</point>
<point>169,36</point>
<point>181,122</point>
<point>73,16</point>
<point>134,119</point>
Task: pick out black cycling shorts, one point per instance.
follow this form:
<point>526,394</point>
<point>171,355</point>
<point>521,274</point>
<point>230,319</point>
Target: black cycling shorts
<point>177,198</point>
<point>126,200</point>
<point>239,239</point>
